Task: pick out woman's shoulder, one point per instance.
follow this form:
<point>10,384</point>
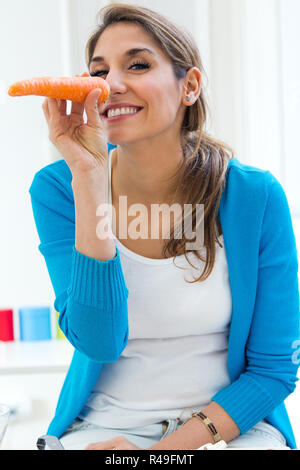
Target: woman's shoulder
<point>239,168</point>
<point>58,170</point>
<point>256,195</point>
<point>250,181</point>
<point>53,180</point>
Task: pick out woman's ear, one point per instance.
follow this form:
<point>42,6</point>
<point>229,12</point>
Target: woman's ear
<point>192,85</point>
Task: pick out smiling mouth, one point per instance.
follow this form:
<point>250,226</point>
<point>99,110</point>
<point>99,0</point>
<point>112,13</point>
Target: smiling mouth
<point>120,116</point>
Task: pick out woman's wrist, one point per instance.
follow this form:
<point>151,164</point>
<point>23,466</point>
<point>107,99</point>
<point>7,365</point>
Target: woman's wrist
<point>201,432</point>
<point>190,436</point>
<point>194,433</point>
<point>97,177</point>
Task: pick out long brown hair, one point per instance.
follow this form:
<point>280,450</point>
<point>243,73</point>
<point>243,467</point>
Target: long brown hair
<point>201,175</point>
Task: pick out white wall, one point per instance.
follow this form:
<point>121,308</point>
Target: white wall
<point>255,73</point>
<point>45,38</point>
<point>290,104</point>
<point>240,45</point>
<point>30,42</point>
<point>251,55</point>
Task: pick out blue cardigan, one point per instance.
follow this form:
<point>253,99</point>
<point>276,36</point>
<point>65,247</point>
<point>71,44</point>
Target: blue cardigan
<point>91,296</point>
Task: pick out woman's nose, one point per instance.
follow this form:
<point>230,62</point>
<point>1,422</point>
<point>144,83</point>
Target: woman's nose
<point>116,83</point>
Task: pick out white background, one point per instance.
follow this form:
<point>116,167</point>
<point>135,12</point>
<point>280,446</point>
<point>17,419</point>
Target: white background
<point>250,50</point>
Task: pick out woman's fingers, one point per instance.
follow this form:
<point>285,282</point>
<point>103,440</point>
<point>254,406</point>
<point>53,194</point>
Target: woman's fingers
<point>90,105</point>
<point>99,446</point>
<point>46,110</point>
<point>53,107</point>
<point>92,110</point>
<point>78,108</point>
<point>118,443</point>
<point>51,110</point>
<point>62,106</point>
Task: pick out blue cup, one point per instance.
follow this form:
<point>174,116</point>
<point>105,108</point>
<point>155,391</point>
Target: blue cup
<point>35,323</point>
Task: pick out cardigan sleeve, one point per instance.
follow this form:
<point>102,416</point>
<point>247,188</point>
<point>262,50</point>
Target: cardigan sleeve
<point>271,370</point>
<point>90,295</point>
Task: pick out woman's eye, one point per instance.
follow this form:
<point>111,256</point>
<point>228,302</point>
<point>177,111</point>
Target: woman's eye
<point>96,74</point>
<point>139,64</point>
<point>143,65</point>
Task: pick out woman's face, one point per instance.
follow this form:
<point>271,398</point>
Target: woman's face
<point>145,80</point>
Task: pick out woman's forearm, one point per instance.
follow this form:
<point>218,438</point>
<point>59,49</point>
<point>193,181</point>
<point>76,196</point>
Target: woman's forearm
<point>90,192</point>
<point>194,434</point>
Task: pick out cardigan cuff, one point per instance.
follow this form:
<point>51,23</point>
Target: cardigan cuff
<point>246,402</point>
<point>98,284</point>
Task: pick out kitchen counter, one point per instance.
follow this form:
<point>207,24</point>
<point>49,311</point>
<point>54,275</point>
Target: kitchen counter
<point>35,356</point>
<point>31,377</point>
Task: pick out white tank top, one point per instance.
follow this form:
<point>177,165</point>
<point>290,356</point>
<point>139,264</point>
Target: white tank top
<point>176,355</point>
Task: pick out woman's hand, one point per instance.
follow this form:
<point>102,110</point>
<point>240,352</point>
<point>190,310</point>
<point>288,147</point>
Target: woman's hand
<point>83,146</point>
<point>116,443</point>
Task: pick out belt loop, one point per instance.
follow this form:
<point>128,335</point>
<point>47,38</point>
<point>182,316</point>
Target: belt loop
<point>178,419</point>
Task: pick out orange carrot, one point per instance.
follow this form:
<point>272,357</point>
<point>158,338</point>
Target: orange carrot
<point>64,88</point>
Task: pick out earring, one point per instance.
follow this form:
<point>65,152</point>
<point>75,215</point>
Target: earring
<point>188,98</point>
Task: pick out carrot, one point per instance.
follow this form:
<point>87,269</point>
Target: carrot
<point>64,88</point>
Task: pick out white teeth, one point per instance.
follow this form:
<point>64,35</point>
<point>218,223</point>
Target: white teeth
<point>119,112</point>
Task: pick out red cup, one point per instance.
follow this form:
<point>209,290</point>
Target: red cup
<point>6,325</point>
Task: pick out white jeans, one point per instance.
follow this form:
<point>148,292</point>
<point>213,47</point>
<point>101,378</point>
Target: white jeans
<point>81,433</point>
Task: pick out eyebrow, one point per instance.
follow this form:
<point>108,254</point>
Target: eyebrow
<point>130,53</point>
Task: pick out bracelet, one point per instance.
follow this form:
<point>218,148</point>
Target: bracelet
<point>210,426</point>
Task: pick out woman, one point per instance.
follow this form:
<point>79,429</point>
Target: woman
<point>154,344</point>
